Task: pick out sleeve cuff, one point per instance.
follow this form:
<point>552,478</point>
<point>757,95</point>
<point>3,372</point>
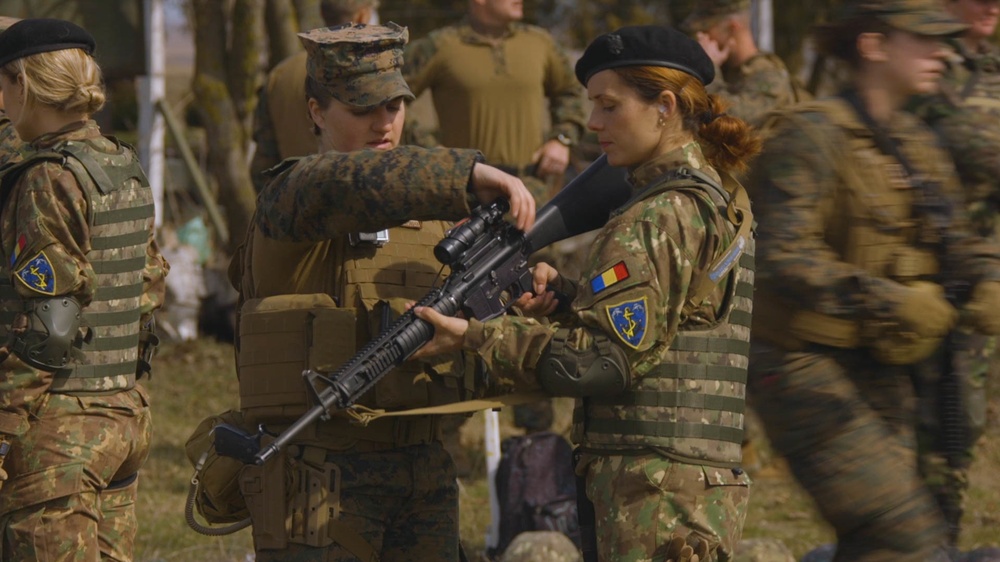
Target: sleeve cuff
<point>475,336</point>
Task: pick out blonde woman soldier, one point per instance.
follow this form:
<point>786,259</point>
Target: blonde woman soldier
<point>80,279</point>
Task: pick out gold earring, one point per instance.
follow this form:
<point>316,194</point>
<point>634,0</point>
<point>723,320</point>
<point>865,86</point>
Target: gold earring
<point>662,120</point>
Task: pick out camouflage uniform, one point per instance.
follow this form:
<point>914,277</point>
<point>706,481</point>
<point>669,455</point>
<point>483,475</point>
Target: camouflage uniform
<point>490,95</point>
<point>387,488</point>
<point>756,87</point>
<point>834,265</point>
<point>649,478</point>
<point>541,546</point>
<point>79,435</point>
<point>752,89</point>
<point>10,144</point>
<point>966,115</point>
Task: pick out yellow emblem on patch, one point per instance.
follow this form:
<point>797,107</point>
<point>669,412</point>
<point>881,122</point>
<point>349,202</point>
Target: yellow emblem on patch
<point>38,275</point>
<point>629,320</point>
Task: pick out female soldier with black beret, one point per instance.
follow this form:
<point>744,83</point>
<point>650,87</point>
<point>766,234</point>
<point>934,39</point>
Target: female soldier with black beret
<point>655,347</point>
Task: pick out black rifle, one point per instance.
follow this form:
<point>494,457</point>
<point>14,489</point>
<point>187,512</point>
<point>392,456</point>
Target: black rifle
<point>489,270</point>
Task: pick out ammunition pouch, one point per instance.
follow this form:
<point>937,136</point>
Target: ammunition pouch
<point>148,343</point>
<point>792,330</point>
<point>601,370</point>
<point>48,335</point>
<point>282,336</point>
<point>891,345</point>
<point>217,493</point>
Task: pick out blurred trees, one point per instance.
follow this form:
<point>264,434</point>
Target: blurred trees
<point>228,37</point>
<point>236,41</point>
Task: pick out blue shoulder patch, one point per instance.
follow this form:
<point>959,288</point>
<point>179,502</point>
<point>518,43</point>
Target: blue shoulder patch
<point>38,275</point>
<point>629,321</point>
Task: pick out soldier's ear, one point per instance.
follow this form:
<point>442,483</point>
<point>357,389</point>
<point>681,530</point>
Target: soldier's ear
<point>316,114</point>
<point>871,47</point>
<point>668,102</point>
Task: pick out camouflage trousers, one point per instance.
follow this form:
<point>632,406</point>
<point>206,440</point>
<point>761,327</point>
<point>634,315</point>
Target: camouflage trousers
<point>403,503</point>
<point>948,429</point>
<point>845,425</point>
<point>641,502</point>
<point>73,479</point>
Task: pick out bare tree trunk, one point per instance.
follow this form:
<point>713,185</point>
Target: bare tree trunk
<point>281,26</point>
<point>308,14</point>
<point>223,87</point>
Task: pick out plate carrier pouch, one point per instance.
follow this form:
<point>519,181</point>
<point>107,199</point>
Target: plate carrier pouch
<point>282,335</point>
<point>120,215</point>
<point>660,410</point>
<point>877,232</point>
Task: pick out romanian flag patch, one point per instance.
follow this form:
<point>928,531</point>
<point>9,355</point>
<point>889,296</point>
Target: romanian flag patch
<point>21,243</point>
<point>628,319</point>
<point>38,275</point>
<point>615,274</point>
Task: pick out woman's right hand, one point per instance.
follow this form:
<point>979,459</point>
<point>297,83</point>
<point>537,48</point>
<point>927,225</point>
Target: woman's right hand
<point>541,302</point>
<point>488,183</point>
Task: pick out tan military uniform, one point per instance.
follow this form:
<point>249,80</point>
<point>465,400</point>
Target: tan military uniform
<point>840,236</point>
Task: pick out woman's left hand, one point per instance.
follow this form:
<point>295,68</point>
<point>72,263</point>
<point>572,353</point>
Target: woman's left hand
<point>449,332</point>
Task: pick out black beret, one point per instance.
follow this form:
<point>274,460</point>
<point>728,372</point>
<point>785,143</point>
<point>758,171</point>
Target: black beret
<point>645,45</point>
<point>41,35</point>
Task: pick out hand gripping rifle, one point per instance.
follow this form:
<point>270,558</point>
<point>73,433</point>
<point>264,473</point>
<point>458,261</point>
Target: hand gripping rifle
<point>488,259</point>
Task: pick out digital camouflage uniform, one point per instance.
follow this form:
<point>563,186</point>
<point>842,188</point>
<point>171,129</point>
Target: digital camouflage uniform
<point>762,83</point>
<point>389,483</point>
<point>490,94</point>
<point>79,435</point>
<point>661,459</point>
<point>10,143</point>
<point>756,87</point>
<point>966,116</point>
<point>839,235</point>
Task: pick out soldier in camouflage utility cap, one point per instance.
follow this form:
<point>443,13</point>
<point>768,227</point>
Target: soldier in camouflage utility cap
<point>282,127</point>
<point>354,227</point>
<point>751,81</point>
<point>866,264</point>
<point>76,236</point>
<point>966,116</point>
<point>655,344</point>
<point>358,64</point>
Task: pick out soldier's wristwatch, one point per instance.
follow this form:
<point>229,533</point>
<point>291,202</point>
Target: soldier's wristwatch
<point>564,140</point>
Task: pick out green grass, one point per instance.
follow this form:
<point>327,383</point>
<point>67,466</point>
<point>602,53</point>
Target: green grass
<point>196,379</point>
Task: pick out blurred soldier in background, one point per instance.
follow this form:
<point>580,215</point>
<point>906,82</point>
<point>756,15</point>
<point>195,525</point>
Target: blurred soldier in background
<point>966,115</point>
<point>865,262</point>
<point>282,127</point>
<point>490,76</point>
<point>9,142</point>
<point>753,82</point>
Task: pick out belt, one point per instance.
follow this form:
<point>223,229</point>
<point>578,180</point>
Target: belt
<point>380,434</point>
